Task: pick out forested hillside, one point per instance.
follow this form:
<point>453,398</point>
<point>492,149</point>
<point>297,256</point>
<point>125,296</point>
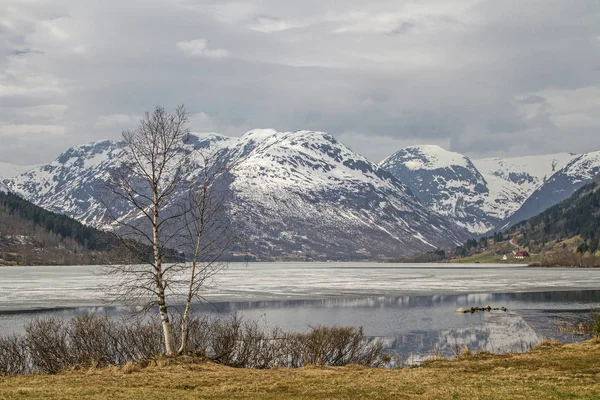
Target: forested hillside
<point>567,234</point>
<point>31,235</point>
<point>576,217</point>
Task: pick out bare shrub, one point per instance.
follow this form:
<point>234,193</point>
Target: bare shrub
<point>91,341</point>
<point>141,340</point>
<point>51,344</point>
<point>199,329</point>
<point>14,358</point>
<point>47,342</point>
<point>223,340</point>
<point>337,346</point>
<point>244,344</point>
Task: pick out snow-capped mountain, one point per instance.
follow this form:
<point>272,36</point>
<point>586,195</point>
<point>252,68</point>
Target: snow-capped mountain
<point>487,194</point>
<point>512,180</point>
<point>8,170</point>
<point>291,193</point>
<point>445,181</point>
<point>529,172</point>
<point>580,170</point>
<point>72,184</point>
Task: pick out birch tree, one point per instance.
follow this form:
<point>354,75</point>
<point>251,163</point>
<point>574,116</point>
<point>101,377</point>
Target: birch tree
<point>172,211</point>
<point>153,167</point>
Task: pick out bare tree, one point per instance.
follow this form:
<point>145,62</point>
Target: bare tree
<point>153,166</point>
<point>208,232</point>
<point>172,211</point>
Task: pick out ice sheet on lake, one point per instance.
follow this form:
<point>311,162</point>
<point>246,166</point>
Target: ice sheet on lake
<point>52,287</point>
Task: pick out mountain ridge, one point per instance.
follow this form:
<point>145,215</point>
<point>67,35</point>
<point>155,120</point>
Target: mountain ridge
<point>558,187</point>
<point>289,183</point>
<point>507,190</point>
<point>445,181</point>
<point>299,194</point>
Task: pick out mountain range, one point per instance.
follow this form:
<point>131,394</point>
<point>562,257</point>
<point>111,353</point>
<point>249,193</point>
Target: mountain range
<point>490,194</point>
<point>305,195</point>
<point>296,194</point>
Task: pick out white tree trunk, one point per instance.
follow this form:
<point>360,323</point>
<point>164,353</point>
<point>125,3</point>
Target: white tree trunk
<point>188,303</point>
<point>167,328</point>
<point>160,287</point>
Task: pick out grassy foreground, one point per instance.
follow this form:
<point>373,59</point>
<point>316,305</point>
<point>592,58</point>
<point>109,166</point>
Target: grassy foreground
<point>550,371</point>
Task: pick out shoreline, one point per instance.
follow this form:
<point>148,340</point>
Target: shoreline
<point>550,370</point>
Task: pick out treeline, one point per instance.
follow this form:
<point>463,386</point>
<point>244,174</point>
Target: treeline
<point>570,259</point>
<point>24,243</point>
<point>429,257</point>
<point>65,227</point>
<point>472,246</point>
<point>30,235</point>
<point>579,215</point>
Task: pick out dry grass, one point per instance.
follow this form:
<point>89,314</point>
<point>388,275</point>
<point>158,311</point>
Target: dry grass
<point>550,371</point>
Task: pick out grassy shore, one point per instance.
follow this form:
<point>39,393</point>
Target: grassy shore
<point>550,371</point>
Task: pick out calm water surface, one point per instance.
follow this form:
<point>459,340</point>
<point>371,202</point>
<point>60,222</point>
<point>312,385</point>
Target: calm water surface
<point>411,307</point>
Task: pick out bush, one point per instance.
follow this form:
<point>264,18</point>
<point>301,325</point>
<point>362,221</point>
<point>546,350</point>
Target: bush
<point>567,258</point>
<point>14,357</point>
<point>238,344</point>
<point>337,346</point>
<point>47,342</point>
<point>51,344</point>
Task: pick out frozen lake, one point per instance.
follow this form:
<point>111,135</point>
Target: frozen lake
<point>410,306</point>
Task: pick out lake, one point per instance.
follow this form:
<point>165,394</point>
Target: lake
<point>410,306</point>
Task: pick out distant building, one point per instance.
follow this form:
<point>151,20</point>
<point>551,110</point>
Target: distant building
<point>504,257</point>
<point>522,255</point>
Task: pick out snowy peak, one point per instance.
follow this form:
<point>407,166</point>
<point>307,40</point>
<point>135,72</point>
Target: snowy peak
<point>445,181</point>
<point>8,171</point>
<point>72,183</point>
<point>481,194</point>
<point>490,193</point>
<point>88,156</point>
<point>313,183</point>
<point>530,171</point>
<point>428,157</point>
<point>306,158</point>
<point>562,184</point>
<point>583,168</point>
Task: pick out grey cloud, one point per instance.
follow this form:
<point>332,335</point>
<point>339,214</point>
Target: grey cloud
<point>532,99</point>
<point>402,28</point>
<point>480,77</point>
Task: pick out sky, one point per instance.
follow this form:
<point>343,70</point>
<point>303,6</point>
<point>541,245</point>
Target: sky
<point>484,78</point>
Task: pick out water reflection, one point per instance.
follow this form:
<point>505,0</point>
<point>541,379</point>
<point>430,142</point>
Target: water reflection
<point>412,327</point>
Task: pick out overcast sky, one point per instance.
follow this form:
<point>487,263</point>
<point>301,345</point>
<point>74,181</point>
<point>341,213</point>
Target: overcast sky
<point>484,78</point>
